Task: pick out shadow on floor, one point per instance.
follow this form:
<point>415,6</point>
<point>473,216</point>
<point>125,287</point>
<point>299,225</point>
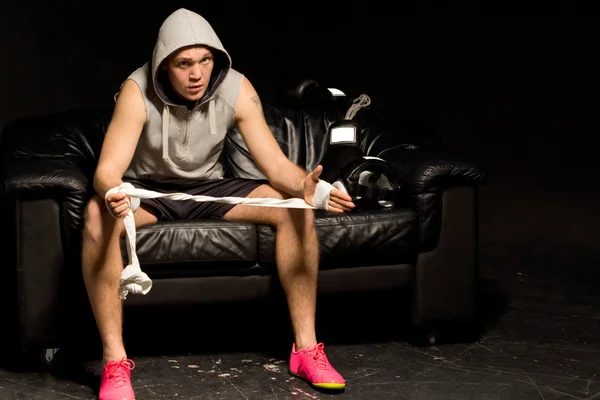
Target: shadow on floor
<point>264,328</point>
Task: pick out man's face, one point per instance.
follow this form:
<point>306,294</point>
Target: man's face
<point>189,71</point>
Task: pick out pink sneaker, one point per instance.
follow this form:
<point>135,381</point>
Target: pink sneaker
<point>116,381</point>
<point>312,365</point>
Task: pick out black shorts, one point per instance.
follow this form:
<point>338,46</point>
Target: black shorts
<point>170,210</point>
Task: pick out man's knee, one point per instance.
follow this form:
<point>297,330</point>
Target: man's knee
<point>300,217</point>
<point>286,216</point>
<point>275,216</point>
<point>97,221</point>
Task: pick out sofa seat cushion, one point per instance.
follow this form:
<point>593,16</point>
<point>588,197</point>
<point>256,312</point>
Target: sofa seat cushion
<point>197,248</point>
<point>220,248</point>
<point>355,239</point>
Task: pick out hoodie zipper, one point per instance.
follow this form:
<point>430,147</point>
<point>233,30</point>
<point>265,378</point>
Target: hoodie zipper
<point>189,117</point>
<point>187,122</point>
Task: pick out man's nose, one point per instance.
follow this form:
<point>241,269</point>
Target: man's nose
<point>196,73</point>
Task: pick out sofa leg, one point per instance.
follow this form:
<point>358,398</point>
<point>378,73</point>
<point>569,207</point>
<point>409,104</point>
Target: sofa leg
<point>48,356</point>
<point>426,334</point>
<point>446,277</point>
<point>431,336</point>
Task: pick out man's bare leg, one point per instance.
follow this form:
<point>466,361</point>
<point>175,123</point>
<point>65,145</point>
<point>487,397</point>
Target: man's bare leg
<point>102,266</point>
<point>296,254</point>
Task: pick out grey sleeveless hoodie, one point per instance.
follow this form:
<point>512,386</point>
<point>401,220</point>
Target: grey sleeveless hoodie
<point>179,141</point>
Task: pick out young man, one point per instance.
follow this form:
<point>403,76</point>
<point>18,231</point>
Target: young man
<point>166,134</point>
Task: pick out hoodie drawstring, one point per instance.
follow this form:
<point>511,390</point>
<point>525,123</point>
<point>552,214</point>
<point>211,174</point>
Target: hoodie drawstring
<point>211,117</point>
<point>165,133</point>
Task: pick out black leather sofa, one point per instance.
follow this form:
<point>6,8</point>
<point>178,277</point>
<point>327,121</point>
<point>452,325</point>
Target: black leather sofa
<point>427,243</point>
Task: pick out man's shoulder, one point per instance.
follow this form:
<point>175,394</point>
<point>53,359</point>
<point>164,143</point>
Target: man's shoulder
<point>233,75</point>
<point>229,90</point>
<point>143,77</point>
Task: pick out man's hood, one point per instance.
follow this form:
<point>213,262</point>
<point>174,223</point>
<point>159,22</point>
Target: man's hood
<point>181,29</point>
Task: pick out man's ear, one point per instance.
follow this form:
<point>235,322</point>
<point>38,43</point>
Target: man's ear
<point>164,65</point>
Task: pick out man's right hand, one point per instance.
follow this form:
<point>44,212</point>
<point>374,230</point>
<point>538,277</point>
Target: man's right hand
<point>119,204</point>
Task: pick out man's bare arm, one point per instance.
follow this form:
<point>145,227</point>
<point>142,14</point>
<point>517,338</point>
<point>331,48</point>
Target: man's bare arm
<point>121,138</point>
<point>282,173</point>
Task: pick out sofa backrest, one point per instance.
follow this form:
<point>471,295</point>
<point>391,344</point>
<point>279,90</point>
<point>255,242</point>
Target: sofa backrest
<point>299,124</point>
<point>73,136</point>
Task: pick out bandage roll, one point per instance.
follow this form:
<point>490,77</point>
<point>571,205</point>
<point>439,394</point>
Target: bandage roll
<point>133,279</point>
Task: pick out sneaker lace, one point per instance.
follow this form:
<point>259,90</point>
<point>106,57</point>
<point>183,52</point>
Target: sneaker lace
<point>119,371</point>
<point>317,354</point>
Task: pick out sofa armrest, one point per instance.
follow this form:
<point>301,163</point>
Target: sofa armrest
<point>54,156</point>
<point>38,178</point>
<point>426,170</point>
<point>442,186</point>
<point>46,167</point>
<point>424,175</point>
<point>43,201</point>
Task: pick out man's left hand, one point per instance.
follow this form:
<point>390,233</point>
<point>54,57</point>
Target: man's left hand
<point>339,202</point>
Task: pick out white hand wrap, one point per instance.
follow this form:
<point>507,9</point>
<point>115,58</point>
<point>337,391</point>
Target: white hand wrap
<point>321,197</point>
<point>134,202</point>
<point>137,282</point>
<point>132,278</point>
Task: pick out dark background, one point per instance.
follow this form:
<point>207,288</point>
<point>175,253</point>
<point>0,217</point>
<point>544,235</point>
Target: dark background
<point>513,85</point>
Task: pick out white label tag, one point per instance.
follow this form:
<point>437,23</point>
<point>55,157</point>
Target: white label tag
<point>373,158</point>
<point>343,135</point>
<point>336,92</point>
